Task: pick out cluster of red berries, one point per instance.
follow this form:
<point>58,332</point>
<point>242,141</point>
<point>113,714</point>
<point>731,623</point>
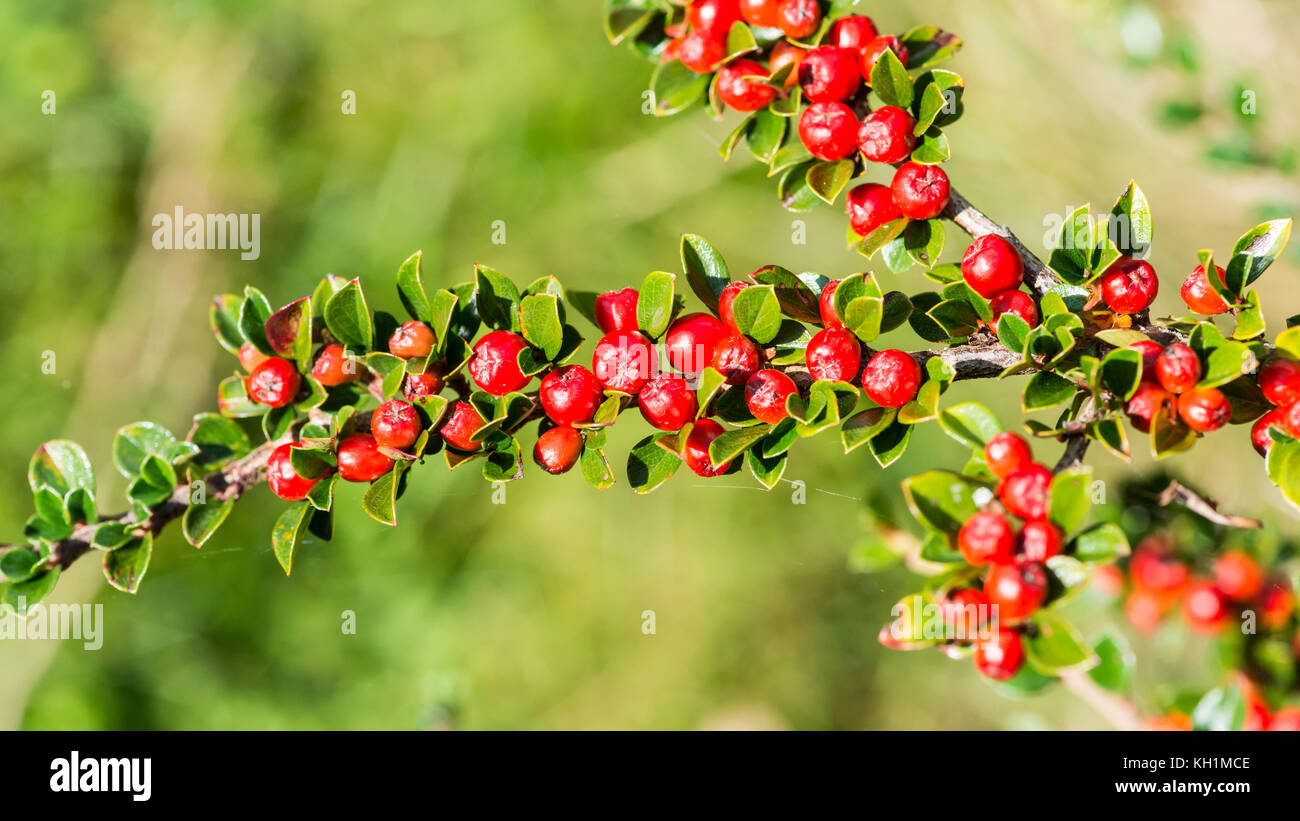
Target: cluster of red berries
<point>1016,581</point>
<point>994,269</point>
<point>1160,579</point>
<point>1279,381</point>
<point>890,378</point>
<point>700,41</point>
<point>1169,377</point>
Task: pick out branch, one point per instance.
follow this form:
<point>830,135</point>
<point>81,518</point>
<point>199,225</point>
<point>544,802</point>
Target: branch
<point>1116,709</point>
<point>970,219</point>
<point>1188,498</point>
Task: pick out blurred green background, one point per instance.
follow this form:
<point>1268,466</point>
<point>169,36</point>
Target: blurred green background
<point>529,615</point>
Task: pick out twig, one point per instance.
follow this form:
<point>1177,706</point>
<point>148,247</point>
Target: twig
<point>1119,711</point>
<point>970,219</point>
<point>1188,498</point>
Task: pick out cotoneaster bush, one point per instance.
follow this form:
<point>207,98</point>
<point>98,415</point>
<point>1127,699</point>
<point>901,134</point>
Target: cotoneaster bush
<point>729,374</point>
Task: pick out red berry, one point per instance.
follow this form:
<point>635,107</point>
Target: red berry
<point>760,12</point>
<point>766,393</point>
<point>716,16</point>
<point>741,93</point>
<point>1024,493</point>
<point>1000,656</point>
<point>558,449</point>
<point>1038,541</point>
<point>333,367</point>
<point>1279,380</point>
<point>1150,351</point>
<point>829,74</point>
<point>736,358</point>
<point>784,54</point>
<point>1016,589</point>
<point>1276,604</point>
<point>412,340</point>
<point>616,310</point>
<point>1204,607</point>
<point>275,382</point>
<point>360,459</point>
<point>1259,432</point>
<point>667,402</point>
<point>826,301</point>
<point>1200,297</point>
<point>702,434</point>
<point>886,135</point>
<point>829,130</point>
<point>1129,285</point>
<point>250,357</point>
<point>833,355</point>
<point>726,300</point>
<point>1144,610</point>
<point>280,475</point>
<point>691,339</point>
<point>870,206</point>
<point>920,191</point>
<point>396,424</point>
<point>965,613</point>
<point>1238,576</point>
<point>463,421</point>
<point>623,361</point>
<point>420,385</point>
<point>1204,409</point>
<point>891,378</point>
<point>1178,368</point>
<point>1287,718</point>
<point>871,52</point>
<point>672,50</point>
<point>495,363</point>
<point>986,538</point>
<point>701,50</point>
<point>854,31</point>
<point>1154,568</point>
<point>799,18</point>
<point>1018,303</point>
<point>570,395</point>
<point>992,265</point>
<point>1007,452</point>
<point>1147,400</point>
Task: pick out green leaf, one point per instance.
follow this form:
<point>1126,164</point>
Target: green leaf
<point>1222,360</point>
<point>201,521</point>
<point>1071,257</point>
<point>380,499</point>
<point>767,470</point>
<point>828,179</point>
<point>1254,252</point>
<point>889,445</point>
<point>924,240</point>
<point>882,236</point>
<point>539,318</point>
<point>1250,319</point>
<point>970,423</point>
<point>1100,544</point>
<point>793,190</point>
<point>136,442</point>
<point>253,313</point>
<point>414,299</point>
<point>765,134</point>
<point>348,318</point>
<point>1070,498</point>
<point>796,298</point>
<point>1111,434</point>
<point>19,564</point>
<point>443,310</point>
<point>955,317</point>
<point>219,440</point>
<point>1121,372</point>
<point>1121,337</point>
<point>595,468</point>
<point>288,531</point>
<point>929,45</point>
<point>125,566</point>
<point>1046,390</point>
<point>932,149</point>
<point>233,401</point>
<point>223,317</point>
<point>940,500</point>
<point>649,465</point>
<point>863,426</point>
<point>1133,225</point>
<point>61,465</point>
<point>675,88</point>
<point>1115,662</point>
<point>1056,645</point>
<point>497,299</point>
<point>1221,709</point>
<point>733,443</point>
<point>705,269</point>
<point>1169,435</point>
<point>23,596</point>
<point>654,305</point>
<point>288,331</point>
<point>757,313</point>
<point>890,81</point>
